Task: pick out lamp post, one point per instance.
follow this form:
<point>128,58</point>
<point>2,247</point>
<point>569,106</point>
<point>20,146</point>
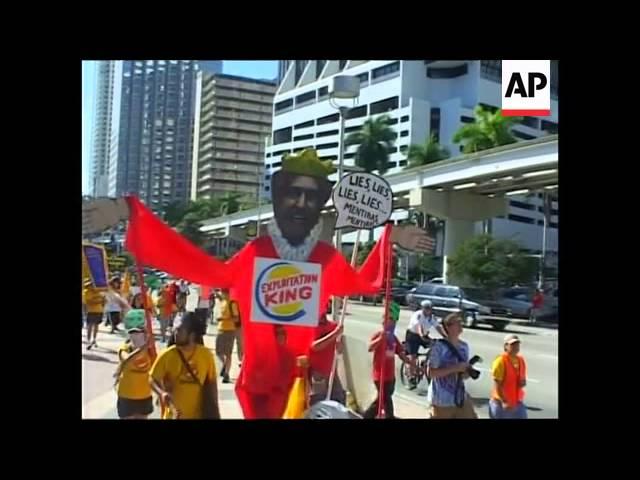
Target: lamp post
<point>343,87</point>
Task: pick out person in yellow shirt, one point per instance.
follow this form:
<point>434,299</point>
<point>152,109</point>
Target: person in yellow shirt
<point>184,375</point>
<point>132,377</point>
<point>94,301</point>
<point>226,335</point>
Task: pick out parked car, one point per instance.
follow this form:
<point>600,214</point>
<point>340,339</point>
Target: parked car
<point>520,301</point>
<point>451,298</point>
<point>399,290</point>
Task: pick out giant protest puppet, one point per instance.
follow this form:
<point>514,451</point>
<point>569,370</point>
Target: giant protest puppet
<point>284,279</point>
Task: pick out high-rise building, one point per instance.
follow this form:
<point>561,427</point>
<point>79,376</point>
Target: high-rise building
<point>102,138</point>
<point>421,97</point>
<point>233,121</point>
<point>156,130</point>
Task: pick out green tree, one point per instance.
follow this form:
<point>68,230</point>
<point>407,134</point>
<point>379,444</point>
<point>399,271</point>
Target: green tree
<point>428,152</point>
<point>363,252</point>
<point>486,262</point>
<point>173,212</point>
<point>375,139</point>
<point>229,203</point>
<point>427,267</point>
<point>489,129</point>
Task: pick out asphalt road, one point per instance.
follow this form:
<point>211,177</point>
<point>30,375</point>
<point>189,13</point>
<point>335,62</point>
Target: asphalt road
<point>539,347</point>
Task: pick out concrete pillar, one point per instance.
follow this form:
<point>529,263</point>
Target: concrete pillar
<point>455,232</point>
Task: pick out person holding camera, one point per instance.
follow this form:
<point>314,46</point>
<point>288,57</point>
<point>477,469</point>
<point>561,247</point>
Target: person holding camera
<point>417,335</point>
<point>448,366</point>
<point>509,372</point>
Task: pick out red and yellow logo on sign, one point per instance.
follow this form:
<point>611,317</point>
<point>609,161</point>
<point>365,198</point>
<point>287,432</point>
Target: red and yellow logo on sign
<point>285,291</point>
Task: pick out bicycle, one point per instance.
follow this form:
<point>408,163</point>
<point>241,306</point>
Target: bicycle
<point>405,369</point>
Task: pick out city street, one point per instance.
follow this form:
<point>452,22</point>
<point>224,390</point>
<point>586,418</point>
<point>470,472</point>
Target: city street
<point>539,347</point>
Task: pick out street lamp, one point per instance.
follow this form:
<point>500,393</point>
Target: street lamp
<point>343,87</point>
<point>347,88</point>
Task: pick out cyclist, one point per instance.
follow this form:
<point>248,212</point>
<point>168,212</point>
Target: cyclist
<point>417,335</point>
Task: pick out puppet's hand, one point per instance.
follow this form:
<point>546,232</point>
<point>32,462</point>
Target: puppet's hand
<point>413,238</point>
<point>103,213</point>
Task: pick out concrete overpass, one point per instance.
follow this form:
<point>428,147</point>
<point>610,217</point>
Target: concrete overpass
<point>462,190</point>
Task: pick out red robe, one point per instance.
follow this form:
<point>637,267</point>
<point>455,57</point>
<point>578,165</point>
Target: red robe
<point>268,369</point>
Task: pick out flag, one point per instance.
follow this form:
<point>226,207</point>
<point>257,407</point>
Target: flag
<point>155,244</point>
<point>126,285</point>
<point>297,403</point>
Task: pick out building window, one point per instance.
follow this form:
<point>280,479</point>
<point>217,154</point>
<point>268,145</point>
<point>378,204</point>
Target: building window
<point>319,67</point>
<point>523,205</point>
<point>488,107</point>
<point>530,122</point>
<point>383,106</point>
<point>551,127</point>
<point>404,119</point>
<point>404,148</point>
<point>392,149</point>
<point>310,123</point>
<point>451,72</point>
<point>523,136</point>
<point>327,145</point>
<point>284,104</point>
<point>364,77</point>
<point>491,70</point>
<point>306,97</point>
<point>356,112</point>
<point>402,163</point>
<point>435,123</point>
<point>386,70</point>
<point>352,129</point>
<point>465,119</point>
<point>282,135</point>
<point>328,133</point>
<point>303,137</point>
<point>404,133</point>
<point>276,165</point>
<point>280,152</point>
<point>349,155</point>
<point>323,93</point>
<point>328,119</point>
<point>521,219</point>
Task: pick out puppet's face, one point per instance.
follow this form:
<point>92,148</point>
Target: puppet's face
<point>297,206</point>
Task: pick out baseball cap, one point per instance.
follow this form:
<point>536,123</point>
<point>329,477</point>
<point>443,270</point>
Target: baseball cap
<point>426,304</point>
<point>135,330</point>
<point>511,338</point>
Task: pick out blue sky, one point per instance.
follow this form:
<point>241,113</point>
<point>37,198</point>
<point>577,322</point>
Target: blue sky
<point>264,69</point>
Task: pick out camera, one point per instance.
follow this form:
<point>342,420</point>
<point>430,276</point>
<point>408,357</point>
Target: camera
<point>473,373</point>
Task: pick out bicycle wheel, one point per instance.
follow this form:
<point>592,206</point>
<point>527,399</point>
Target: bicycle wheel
<point>405,373</point>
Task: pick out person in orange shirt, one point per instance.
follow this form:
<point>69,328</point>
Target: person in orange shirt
<point>509,378</point>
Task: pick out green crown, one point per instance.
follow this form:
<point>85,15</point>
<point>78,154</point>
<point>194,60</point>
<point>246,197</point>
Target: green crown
<point>307,163</point>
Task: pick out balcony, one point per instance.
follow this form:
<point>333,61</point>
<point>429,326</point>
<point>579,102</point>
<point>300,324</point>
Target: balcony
<point>245,106</point>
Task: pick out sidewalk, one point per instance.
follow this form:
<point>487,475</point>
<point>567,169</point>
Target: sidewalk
<point>103,406</point>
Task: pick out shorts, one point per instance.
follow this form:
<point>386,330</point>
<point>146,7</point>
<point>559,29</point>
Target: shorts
<point>224,342</point>
<point>94,318</point>
<point>128,407</point>
<point>413,342</point>
<point>496,410</point>
<point>466,411</point>
<point>114,318</point>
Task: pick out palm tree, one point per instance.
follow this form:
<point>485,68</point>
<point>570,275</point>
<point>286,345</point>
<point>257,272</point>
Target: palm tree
<point>490,129</point>
<point>230,203</point>
<point>430,151</point>
<point>375,139</point>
